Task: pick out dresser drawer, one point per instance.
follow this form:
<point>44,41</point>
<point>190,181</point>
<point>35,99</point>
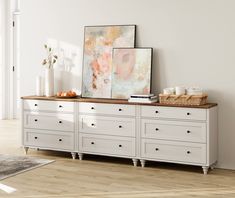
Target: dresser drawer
<point>107,125</point>
<point>108,109</point>
<point>173,151</point>
<point>107,145</point>
<point>49,139</point>
<point>42,105</point>
<point>174,130</point>
<point>173,113</point>
<point>49,121</point>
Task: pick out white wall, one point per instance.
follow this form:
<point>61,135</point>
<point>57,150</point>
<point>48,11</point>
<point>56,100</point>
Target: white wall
<point>194,42</point>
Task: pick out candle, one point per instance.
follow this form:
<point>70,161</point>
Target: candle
<point>179,90</point>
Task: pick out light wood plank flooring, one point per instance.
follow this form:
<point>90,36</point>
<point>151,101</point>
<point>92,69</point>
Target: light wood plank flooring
<point>104,177</point>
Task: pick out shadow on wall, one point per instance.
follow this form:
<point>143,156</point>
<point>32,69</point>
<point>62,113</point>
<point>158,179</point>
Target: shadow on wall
<point>158,72</point>
<point>68,70</point>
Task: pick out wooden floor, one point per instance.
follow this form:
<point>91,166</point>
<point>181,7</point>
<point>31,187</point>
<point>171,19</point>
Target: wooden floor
<point>104,177</point>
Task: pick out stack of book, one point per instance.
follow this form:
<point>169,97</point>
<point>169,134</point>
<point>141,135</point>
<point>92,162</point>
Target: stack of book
<point>150,98</point>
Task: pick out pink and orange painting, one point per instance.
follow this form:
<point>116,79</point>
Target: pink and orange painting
<point>97,60</point>
<point>131,72</point>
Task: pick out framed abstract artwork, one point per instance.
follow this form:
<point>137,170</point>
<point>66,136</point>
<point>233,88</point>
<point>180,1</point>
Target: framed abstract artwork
<point>99,42</point>
<point>131,72</point>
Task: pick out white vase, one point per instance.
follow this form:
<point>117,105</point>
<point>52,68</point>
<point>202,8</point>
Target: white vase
<point>49,82</point>
<point>39,86</point>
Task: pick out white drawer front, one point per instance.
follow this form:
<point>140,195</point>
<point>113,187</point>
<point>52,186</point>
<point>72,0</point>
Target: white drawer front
<point>42,105</point>
<point>174,151</point>
<point>109,109</point>
<point>107,145</point>
<point>60,122</point>
<point>172,130</point>
<point>49,139</point>
<point>173,113</point>
<point>107,125</point>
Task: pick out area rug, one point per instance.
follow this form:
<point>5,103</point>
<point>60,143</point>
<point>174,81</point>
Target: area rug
<point>13,165</point>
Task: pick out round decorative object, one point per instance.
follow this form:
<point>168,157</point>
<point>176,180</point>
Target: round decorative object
<point>169,91</point>
<point>194,91</point>
<point>66,96</point>
<point>180,90</point>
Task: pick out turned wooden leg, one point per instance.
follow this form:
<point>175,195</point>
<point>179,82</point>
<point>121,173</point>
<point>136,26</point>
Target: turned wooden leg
<point>135,162</point>
<point>143,163</point>
<point>80,155</point>
<point>205,170</point>
<point>73,155</point>
<point>26,150</point>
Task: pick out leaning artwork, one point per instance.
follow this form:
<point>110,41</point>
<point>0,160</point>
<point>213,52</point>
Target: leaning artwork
<point>97,58</point>
<point>131,72</point>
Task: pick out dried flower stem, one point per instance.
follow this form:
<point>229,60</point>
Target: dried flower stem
<point>51,58</point>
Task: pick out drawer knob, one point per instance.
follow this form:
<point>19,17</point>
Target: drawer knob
<point>35,105</point>
<point>119,109</point>
<point>188,131</point>
<point>120,145</point>
<point>60,106</point>
<point>156,111</point>
<point>92,108</point>
<point>120,126</point>
<point>92,124</point>
<point>188,152</point>
<point>92,142</point>
<point>60,121</point>
<point>35,138</point>
<point>36,120</point>
<point>60,140</point>
<point>188,113</point>
<point>157,149</point>
<point>157,129</point>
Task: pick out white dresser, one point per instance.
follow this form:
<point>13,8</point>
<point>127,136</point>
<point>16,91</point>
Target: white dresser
<point>184,135</point>
<point>107,129</point>
<point>49,125</point>
<point>179,135</point>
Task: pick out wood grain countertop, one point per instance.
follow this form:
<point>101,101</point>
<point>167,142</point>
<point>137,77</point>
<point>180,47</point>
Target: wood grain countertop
<point>114,101</point>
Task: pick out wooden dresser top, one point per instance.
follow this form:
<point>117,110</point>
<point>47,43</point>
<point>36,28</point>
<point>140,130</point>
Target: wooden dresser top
<point>112,101</point>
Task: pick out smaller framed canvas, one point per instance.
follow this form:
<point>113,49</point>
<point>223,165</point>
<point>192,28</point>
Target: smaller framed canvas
<point>131,72</point>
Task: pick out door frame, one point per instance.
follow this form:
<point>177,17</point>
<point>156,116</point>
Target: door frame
<point>8,90</point>
<point>12,57</point>
<point>3,59</point>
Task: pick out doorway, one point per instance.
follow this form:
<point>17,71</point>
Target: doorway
<point>9,59</point>
<point>16,64</point>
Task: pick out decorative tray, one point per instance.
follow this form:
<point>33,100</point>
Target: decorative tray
<point>183,99</point>
<point>67,96</point>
